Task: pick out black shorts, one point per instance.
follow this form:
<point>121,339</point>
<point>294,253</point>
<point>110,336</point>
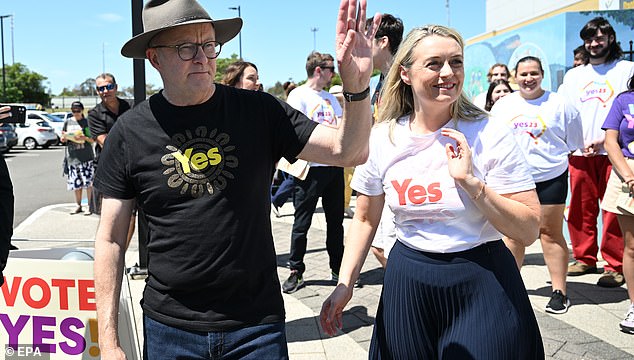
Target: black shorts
<point>553,191</point>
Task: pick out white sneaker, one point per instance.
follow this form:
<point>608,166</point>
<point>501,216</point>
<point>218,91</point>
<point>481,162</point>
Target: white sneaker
<point>627,325</point>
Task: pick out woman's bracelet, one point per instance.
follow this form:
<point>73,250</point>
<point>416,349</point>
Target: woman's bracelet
<point>479,194</point>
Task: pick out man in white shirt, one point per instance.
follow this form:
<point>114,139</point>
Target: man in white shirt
<point>322,180</point>
<point>386,41</point>
<point>496,71</point>
<point>591,89</point>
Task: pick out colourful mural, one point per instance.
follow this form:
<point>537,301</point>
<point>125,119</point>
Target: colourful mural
<point>552,40</point>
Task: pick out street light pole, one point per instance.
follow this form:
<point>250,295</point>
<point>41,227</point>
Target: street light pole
<point>4,80</point>
<point>103,58</point>
<point>448,14</point>
<point>12,52</point>
<point>314,30</point>
<point>240,33</point>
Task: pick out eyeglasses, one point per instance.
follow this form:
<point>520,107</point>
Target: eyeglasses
<point>332,68</point>
<point>75,111</point>
<point>188,51</point>
<point>597,39</point>
<point>108,87</point>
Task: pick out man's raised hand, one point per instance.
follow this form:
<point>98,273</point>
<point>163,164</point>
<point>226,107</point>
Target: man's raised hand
<point>354,44</point>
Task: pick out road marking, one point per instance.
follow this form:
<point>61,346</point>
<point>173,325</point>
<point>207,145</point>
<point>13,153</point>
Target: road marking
<point>36,214</point>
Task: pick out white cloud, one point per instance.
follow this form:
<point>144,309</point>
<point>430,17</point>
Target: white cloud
<point>110,17</point>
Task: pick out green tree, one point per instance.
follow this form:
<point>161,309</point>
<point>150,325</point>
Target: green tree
<point>67,92</point>
<point>277,90</point>
<point>150,89</point>
<point>221,66</point>
<point>23,85</point>
<point>87,88</point>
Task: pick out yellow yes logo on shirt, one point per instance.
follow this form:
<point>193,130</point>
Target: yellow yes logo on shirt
<point>199,163</point>
<point>199,160</point>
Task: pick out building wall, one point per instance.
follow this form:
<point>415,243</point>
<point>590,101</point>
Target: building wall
<point>507,15</point>
<point>501,14</point>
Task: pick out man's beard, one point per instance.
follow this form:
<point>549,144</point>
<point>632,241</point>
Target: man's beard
<point>603,53</point>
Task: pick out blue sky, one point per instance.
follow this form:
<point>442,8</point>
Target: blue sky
<point>69,41</point>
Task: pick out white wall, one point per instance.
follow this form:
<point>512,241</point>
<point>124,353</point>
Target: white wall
<point>504,13</point>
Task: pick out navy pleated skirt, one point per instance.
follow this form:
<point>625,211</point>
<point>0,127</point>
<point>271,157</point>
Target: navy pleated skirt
<point>466,305</point>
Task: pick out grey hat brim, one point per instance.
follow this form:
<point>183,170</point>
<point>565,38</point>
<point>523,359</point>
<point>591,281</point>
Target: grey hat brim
<point>225,29</point>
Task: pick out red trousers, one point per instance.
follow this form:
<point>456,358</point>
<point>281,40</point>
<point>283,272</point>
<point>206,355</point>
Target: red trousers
<point>588,179</point>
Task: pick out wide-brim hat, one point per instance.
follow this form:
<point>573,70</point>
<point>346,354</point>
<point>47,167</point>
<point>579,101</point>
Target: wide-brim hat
<point>160,15</point>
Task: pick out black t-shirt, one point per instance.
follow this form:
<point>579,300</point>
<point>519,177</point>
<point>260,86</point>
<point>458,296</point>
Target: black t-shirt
<point>101,120</point>
<point>202,175</point>
<point>6,214</point>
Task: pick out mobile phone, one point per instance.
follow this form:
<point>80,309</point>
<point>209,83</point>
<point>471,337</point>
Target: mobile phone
<point>18,115</point>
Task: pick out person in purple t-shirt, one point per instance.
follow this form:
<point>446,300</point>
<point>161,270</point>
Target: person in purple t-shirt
<point>619,143</point>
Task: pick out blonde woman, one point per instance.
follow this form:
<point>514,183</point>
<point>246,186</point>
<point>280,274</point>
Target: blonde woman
<point>455,183</point>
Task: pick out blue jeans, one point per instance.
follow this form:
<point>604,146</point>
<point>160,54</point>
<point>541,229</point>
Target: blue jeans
<point>255,342</point>
<point>285,189</point>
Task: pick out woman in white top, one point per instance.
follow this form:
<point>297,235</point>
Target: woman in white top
<point>455,183</point>
<point>547,130</point>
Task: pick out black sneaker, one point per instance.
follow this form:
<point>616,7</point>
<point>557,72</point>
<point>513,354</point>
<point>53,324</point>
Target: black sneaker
<point>136,272</point>
<point>276,211</point>
<point>293,283</point>
<point>558,303</point>
<point>335,279</point>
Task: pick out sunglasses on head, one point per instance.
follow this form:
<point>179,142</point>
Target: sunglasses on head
<point>109,87</point>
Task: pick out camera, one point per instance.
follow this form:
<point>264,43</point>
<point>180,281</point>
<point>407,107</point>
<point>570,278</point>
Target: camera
<point>18,115</point>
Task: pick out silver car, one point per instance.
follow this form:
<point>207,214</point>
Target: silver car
<point>53,121</point>
<point>4,147</point>
<point>8,130</point>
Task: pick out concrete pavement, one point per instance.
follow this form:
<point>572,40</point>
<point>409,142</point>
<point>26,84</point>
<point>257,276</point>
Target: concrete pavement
<point>588,331</point>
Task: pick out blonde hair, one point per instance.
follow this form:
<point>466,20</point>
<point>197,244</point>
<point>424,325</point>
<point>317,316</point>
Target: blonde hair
<point>397,98</point>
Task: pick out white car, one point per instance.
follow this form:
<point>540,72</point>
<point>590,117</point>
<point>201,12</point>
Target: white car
<point>56,123</point>
<point>62,115</point>
<point>34,133</point>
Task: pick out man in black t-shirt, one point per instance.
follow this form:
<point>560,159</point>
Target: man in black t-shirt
<point>6,206</point>
<point>101,118</point>
<point>198,158</point>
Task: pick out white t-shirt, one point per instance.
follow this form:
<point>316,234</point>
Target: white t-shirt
<point>480,100</point>
<point>431,212</point>
<point>320,106</point>
<point>591,90</point>
<point>547,129</point>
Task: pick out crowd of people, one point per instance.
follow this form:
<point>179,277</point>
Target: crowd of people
<point>574,137</point>
<point>449,191</point>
